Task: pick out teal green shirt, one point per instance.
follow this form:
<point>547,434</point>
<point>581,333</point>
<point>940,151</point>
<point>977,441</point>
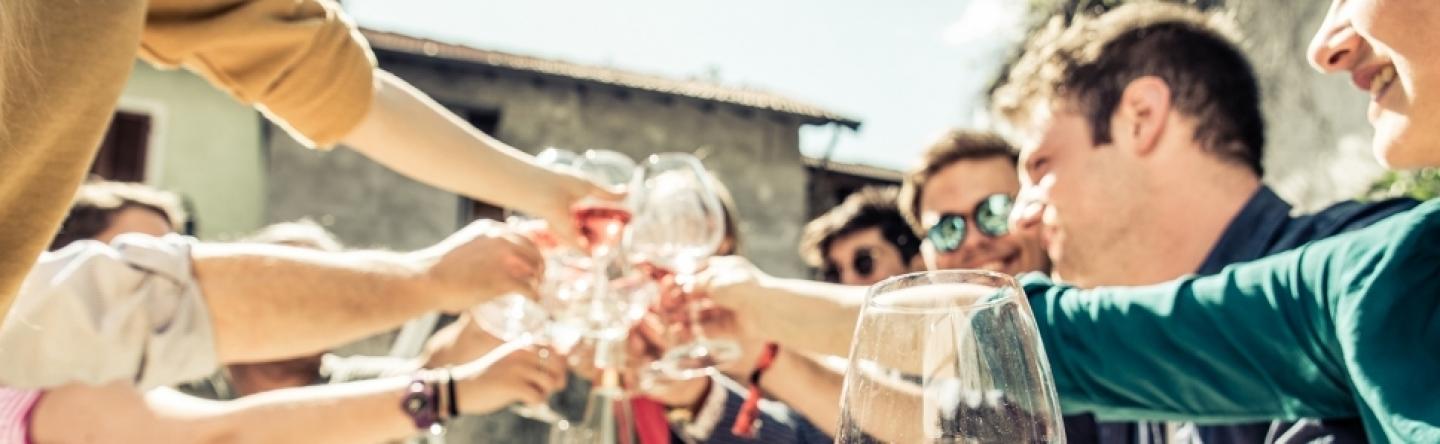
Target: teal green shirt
<point>1340,327</point>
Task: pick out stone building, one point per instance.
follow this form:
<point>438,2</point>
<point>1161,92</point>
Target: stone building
<point>750,139</point>
<point>239,172</point>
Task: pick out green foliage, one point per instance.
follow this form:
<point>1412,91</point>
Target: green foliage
<point>1421,184</point>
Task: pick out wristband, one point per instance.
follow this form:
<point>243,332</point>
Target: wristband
<point>745,420</point>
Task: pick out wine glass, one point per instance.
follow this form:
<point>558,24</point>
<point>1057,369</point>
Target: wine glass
<point>515,317</point>
<point>948,357</point>
<point>680,222</point>
<point>602,223</point>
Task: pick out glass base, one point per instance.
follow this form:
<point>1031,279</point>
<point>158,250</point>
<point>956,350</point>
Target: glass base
<point>694,360</point>
<point>542,413</point>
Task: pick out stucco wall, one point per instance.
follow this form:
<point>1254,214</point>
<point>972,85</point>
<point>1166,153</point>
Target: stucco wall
<point>1319,139</point>
<point>203,145</point>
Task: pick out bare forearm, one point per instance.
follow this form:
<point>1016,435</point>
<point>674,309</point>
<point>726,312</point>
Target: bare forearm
<point>411,134</point>
<point>118,413</point>
<point>270,302</point>
<point>809,316</point>
<point>808,387</point>
<point>370,411</point>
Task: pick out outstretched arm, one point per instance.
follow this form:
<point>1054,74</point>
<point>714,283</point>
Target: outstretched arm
<point>410,133</point>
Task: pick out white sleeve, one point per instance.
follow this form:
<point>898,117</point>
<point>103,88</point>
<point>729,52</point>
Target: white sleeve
<point>96,313</point>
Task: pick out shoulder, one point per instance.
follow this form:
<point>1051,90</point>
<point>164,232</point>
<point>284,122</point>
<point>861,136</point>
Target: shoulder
<point>1352,214</point>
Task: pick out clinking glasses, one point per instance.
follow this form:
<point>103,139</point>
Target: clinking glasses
<point>992,216</point>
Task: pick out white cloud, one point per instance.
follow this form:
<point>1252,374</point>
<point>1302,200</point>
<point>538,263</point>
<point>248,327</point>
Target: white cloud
<point>988,22</point>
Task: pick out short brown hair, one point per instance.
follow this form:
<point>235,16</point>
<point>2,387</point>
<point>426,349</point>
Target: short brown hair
<point>954,146</point>
<point>96,204</point>
<point>1089,63</point>
<point>871,207</point>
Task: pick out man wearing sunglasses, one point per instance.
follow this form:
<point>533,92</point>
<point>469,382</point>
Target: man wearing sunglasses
<point>863,240</point>
<point>960,197</point>
<point>1143,182</point>
<point>959,200</point>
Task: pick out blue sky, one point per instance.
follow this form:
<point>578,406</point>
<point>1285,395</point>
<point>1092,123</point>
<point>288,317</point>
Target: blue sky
<point>906,69</point>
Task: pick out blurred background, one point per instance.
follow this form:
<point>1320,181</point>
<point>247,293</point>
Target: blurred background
<point>793,104</point>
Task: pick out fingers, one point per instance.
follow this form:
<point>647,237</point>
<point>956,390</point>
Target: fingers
<point>532,393</point>
<point>603,193</point>
<point>552,368</point>
<point>525,250</point>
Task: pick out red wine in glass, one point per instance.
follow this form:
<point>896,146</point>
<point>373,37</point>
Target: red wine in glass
<point>602,227</point>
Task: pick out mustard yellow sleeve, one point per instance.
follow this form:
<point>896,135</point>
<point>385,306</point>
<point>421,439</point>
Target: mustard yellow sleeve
<point>301,62</point>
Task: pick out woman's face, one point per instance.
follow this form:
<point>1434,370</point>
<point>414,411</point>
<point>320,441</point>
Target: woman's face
<point>1391,49</point>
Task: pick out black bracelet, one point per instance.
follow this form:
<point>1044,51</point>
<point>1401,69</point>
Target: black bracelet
<point>450,388</point>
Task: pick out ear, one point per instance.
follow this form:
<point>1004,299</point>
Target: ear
<point>1140,116</point>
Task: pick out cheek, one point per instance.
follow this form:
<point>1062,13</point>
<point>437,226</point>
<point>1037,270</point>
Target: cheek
<point>1403,26</point>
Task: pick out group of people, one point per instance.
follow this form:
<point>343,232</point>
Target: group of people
<point>1177,297</point>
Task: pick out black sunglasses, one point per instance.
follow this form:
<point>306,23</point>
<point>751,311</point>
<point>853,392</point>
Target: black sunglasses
<point>863,263</point>
<point>992,217</point>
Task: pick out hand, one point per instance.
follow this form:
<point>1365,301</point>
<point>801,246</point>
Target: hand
<point>482,261</point>
<point>645,344</point>
<point>460,342</point>
<point>559,192</point>
<point>514,372</point>
<point>720,322</point>
<point>734,283</point>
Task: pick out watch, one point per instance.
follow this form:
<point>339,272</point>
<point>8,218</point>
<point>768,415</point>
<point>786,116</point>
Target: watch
<point>422,404</point>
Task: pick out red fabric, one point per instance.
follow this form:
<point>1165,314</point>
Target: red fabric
<point>650,423</point>
<point>745,420</point>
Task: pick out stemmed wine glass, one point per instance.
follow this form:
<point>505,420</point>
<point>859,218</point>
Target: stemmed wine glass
<point>515,317</point>
<point>948,357</point>
<point>680,222</point>
<point>602,223</point>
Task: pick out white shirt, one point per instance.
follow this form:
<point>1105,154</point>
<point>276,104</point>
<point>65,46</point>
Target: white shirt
<point>96,313</point>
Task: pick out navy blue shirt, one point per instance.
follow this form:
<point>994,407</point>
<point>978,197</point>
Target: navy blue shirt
<point>1265,227</point>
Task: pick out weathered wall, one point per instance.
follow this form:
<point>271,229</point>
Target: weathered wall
<point>1319,139</point>
<point>204,146</point>
<point>756,154</point>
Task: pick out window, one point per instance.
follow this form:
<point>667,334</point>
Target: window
<point>123,150</point>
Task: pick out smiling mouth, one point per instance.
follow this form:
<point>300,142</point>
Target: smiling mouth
<point>1003,264</point>
<point>1382,82</point>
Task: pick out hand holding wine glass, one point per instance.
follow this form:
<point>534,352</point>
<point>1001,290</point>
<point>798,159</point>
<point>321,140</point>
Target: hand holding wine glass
<point>948,356</point>
<point>513,372</point>
<point>680,222</point>
<point>569,189</point>
<point>601,222</point>
<point>481,262</point>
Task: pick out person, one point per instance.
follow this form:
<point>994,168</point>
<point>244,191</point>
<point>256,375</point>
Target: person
<point>861,241</point>
<point>1330,328</point>
<point>102,210</point>
<point>702,409</point>
<point>305,67</point>
<point>1213,135</point>
<point>958,201</point>
<point>79,412</point>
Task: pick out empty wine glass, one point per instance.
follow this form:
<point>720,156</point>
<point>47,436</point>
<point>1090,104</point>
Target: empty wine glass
<point>948,357</point>
<point>515,317</point>
<point>680,222</point>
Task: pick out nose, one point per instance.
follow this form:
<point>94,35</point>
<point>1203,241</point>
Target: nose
<point>1336,46</point>
<point>1028,211</point>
